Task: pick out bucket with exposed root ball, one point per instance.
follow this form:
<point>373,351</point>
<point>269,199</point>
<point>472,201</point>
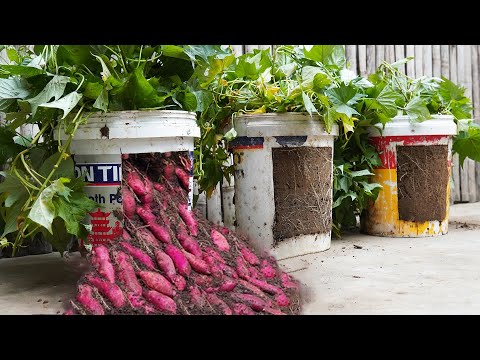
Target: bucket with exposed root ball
<point>415,177</point>
<point>97,149</point>
<point>283,182</point>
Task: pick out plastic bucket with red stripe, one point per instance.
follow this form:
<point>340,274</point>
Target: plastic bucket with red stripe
<point>384,218</point>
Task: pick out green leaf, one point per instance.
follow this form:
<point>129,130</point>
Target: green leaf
<point>384,101</point>
<point>13,89</point>
<point>66,103</point>
<point>308,104</point>
<point>339,200</point>
<point>329,55</point>
<point>204,99</point>
<point>320,81</point>
<point>13,213</point>
<point>65,168</point>
<point>59,237</point>
<point>467,144</point>
<point>363,172</point>
<point>190,102</point>
<point>54,89</point>
<point>346,76</point>
<point>343,98</point>
<point>13,55</point>
<point>13,187</point>
<point>8,147</point>
<point>174,51</point>
<point>74,211</point>
<point>102,100</point>
<point>369,188</point>
<point>416,110</point>
<point>309,73</point>
<point>25,71</point>
<point>230,134</point>
<point>92,90</point>
<point>251,65</point>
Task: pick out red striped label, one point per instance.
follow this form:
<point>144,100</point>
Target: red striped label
<point>387,146</point>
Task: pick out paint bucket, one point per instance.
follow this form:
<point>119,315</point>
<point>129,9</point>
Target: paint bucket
<point>97,148</point>
<point>283,182</point>
<point>415,176</point>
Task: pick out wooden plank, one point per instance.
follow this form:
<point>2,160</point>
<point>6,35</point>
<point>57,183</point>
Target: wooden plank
<point>418,61</point>
<point>410,51</point>
<point>370,59</point>
<point>249,48</point>
<point>237,49</point>
<point>476,104</point>
<point>362,59</point>
<point>452,75</point>
<point>351,55</point>
<point>472,186</point>
<point>427,60</point>
<point>390,53</point>
<point>436,61</point>
<point>379,55</point>
<point>445,61</point>
<point>399,55</point>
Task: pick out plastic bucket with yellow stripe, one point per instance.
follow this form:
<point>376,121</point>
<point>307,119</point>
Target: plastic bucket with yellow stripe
<point>384,218</point>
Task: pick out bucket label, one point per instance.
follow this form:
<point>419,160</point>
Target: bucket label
<point>104,182</point>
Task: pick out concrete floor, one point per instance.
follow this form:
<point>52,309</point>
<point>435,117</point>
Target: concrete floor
<point>437,275</point>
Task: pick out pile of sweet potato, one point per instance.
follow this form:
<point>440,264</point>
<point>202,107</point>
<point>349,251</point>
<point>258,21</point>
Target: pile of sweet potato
<point>170,260</point>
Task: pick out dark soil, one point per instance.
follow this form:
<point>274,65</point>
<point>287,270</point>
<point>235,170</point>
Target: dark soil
<point>422,179</point>
<point>165,208</point>
<point>302,179</point>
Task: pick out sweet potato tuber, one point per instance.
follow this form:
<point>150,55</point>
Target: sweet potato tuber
<point>242,309</point>
<point>183,177</point>
<point>169,172</point>
<point>228,285</point>
<point>197,263</point>
<point>136,183</point>
<point>287,281</point>
<point>126,273</point>
<point>273,311</point>
<point>202,280</point>
<point>101,261</point>
<point>188,217</point>
<point>146,215</point>
<point>216,301</point>
<point>257,291</point>
<point>254,273</point>
<point>253,301</point>
<point>269,288</point>
<point>242,269</point>
<point>214,254</point>
<point>219,240</point>
<point>126,235</point>
<point>146,236</point>
<point>157,282</point>
<point>179,282</point>
<point>179,260</point>
<point>249,256</point>
<point>165,263</point>
<point>189,244</point>
<point>139,255</point>
<point>196,296</point>
<point>128,203</point>
<point>282,300</point>
<point>147,199</point>
<point>267,270</point>
<point>159,187</point>
<point>160,232</point>
<point>111,291</point>
<point>86,298</point>
<point>214,267</point>
<point>161,302</point>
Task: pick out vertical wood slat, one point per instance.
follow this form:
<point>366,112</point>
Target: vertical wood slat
<point>370,59</point>
<point>379,55</point>
<point>390,53</point>
<point>457,193</point>
<point>436,61</point>
<point>418,60</point>
<point>410,51</point>
<point>362,60</point>
<point>399,55</point>
<point>476,104</point>
<point>237,49</point>
<point>445,61</point>
<point>351,55</point>
<point>249,48</point>
<point>427,60</point>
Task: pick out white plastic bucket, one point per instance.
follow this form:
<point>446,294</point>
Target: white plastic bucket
<point>97,148</point>
<point>258,134</point>
<point>383,217</point>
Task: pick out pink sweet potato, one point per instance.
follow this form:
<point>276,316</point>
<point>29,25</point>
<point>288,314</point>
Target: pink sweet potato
<point>219,240</point>
<point>189,244</point>
<point>242,269</point>
<point>254,273</point>
<point>111,291</point>
<point>126,235</point>
<point>101,261</point>
<point>160,232</point>
<point>159,187</point>
<point>169,172</point>
<point>165,263</point>
<point>136,183</point>
<point>269,288</point>
<point>139,255</point>
<point>188,217</point>
<point>179,260</point>
<point>215,269</point>
<point>146,236</point>
<point>224,231</point>
<point>197,263</point>
<point>257,291</point>
<point>179,282</point>
<point>214,254</point>
<point>183,177</point>
<point>227,270</point>
<point>146,215</point>
<point>128,203</point>
<point>273,311</point>
<point>126,273</point>
<point>267,270</point>
<point>228,285</point>
<point>253,301</point>
<point>287,281</point>
<point>249,256</point>
<point>216,301</point>
<point>202,280</point>
<point>86,298</point>
<point>157,282</point>
<point>282,300</point>
<point>242,309</point>
<point>69,312</point>
<point>160,301</point>
<point>196,296</point>
<point>147,199</point>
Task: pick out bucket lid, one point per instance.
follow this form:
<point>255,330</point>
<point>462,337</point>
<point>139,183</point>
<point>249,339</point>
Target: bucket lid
<point>401,126</point>
<point>138,124</point>
<point>281,124</point>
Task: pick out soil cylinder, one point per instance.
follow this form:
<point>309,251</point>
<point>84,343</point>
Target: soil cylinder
<point>97,148</point>
<point>283,182</point>
<point>415,176</point>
